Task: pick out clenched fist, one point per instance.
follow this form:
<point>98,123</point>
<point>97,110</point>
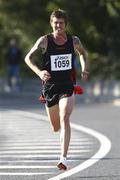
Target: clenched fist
<point>44,75</point>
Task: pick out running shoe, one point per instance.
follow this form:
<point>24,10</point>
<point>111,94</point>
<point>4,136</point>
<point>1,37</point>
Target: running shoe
<point>62,164</point>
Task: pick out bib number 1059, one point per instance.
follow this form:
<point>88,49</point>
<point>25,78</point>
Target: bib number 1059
<point>61,62</point>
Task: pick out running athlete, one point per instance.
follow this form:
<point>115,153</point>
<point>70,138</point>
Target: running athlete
<point>58,50</point>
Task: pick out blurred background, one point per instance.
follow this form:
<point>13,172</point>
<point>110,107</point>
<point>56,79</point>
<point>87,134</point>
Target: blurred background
<point>95,22</point>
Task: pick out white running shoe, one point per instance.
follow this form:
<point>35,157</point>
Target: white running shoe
<point>62,164</point>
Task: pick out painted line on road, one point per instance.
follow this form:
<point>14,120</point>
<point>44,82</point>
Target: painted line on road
<point>41,144</point>
<point>25,167</point>
<point>34,161</point>
<point>9,148</point>
<point>24,174</point>
<point>38,155</point>
<point>45,141</point>
<point>47,151</point>
<point>105,146</point>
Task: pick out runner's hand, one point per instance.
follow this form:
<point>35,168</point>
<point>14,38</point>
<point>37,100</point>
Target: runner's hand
<point>44,75</point>
<point>84,75</point>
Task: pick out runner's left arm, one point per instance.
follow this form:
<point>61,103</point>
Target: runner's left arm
<point>83,56</point>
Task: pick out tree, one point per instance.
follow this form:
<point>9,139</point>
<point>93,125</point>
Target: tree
<point>95,22</point>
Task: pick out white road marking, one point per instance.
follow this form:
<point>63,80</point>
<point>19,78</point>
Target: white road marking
<point>34,161</point>
<point>102,152</point>
<point>47,151</point>
<point>38,155</point>
<point>38,147</point>
<point>105,146</point>
<point>24,174</point>
<point>25,167</point>
<point>45,141</point>
<point>42,144</point>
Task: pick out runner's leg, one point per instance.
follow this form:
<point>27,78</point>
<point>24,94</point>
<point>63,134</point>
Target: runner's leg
<point>66,106</point>
<point>53,115</point>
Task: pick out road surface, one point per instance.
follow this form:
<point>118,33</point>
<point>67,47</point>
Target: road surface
<point>30,150</point>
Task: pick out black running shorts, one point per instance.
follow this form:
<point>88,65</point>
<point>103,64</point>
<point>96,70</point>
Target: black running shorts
<point>54,92</point>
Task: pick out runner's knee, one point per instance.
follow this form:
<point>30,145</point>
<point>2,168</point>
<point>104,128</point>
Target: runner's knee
<point>64,115</point>
<point>65,120</point>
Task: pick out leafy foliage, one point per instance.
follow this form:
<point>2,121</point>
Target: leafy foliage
<point>95,22</point>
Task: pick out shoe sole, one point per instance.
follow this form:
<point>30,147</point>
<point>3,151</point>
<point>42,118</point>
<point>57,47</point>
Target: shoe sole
<point>61,166</point>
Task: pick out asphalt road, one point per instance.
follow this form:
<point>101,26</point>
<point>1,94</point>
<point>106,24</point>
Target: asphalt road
<point>30,150</point>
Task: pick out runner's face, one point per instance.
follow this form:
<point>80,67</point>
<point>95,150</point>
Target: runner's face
<point>58,25</point>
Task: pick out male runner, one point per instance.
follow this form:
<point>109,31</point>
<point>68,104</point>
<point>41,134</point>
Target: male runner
<point>58,50</point>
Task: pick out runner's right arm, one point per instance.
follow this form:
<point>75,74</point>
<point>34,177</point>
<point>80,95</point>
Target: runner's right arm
<point>29,60</point>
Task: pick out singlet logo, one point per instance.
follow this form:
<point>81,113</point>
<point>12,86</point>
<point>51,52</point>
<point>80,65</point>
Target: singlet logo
<point>61,62</point>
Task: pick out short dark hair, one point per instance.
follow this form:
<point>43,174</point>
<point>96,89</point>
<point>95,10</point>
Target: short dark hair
<point>59,14</point>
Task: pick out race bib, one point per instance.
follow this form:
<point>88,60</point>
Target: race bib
<point>61,62</point>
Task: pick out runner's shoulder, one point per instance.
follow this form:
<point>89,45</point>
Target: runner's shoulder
<point>76,40</point>
<point>42,42</point>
